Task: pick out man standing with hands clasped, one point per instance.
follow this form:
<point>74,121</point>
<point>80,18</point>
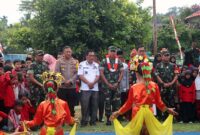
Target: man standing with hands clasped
<point>111,69</point>
<point>88,73</point>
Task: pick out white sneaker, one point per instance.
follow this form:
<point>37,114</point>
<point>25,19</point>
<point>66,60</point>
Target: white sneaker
<point>190,122</point>
<point>181,122</point>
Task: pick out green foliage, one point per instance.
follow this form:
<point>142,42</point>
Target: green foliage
<point>16,38</point>
<point>87,24</point>
<point>186,34</point>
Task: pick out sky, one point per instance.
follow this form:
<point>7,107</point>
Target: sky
<point>10,8</point>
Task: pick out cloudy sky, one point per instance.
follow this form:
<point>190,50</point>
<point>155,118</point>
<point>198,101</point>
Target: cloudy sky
<point>9,8</point>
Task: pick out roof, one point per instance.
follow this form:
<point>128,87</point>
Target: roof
<point>196,14</point>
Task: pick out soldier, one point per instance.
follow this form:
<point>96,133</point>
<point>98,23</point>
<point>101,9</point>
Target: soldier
<point>166,77</point>
<point>111,69</point>
<point>34,72</point>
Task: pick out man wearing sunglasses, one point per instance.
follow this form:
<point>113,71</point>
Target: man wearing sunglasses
<point>166,77</point>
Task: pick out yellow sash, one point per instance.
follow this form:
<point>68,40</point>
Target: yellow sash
<point>153,125</point>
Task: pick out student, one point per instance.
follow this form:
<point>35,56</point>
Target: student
<point>27,108</point>
<point>187,97</point>
<point>15,116</point>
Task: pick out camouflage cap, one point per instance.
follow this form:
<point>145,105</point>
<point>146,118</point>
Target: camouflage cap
<point>39,52</point>
<point>112,48</point>
<point>165,52</point>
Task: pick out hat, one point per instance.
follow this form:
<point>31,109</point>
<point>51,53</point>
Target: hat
<point>165,52</point>
<point>112,48</point>
<point>3,115</point>
<point>39,52</point>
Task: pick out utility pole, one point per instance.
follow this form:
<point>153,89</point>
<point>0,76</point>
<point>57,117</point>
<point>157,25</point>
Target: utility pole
<point>154,29</point>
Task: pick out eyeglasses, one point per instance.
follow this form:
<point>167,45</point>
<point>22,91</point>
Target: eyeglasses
<point>112,51</point>
<point>166,55</point>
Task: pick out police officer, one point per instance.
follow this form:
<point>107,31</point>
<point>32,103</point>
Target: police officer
<point>166,77</point>
<point>67,66</point>
<point>111,70</point>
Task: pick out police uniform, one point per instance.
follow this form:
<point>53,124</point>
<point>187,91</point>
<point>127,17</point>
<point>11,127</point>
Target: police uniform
<point>68,69</point>
<point>89,97</point>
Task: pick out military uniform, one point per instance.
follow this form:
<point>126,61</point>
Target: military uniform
<point>166,71</point>
<point>112,97</point>
<point>37,94</point>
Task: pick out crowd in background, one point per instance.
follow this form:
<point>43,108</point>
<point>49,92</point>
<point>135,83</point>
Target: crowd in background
<point>98,86</point>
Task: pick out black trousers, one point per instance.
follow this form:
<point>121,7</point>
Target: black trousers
<point>101,104</point>
<point>187,111</point>
<point>89,106</point>
<point>70,96</point>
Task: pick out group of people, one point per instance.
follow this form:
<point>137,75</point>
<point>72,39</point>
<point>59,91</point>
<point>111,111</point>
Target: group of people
<point>107,85</point>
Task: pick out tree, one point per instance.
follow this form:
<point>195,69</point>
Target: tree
<point>186,33</point>
<point>88,24</point>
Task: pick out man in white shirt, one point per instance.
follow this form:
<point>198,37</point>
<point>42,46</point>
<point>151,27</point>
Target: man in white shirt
<point>88,73</point>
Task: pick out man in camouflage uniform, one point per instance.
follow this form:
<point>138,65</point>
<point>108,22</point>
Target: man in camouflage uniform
<point>111,70</point>
<point>166,77</point>
<point>37,94</point>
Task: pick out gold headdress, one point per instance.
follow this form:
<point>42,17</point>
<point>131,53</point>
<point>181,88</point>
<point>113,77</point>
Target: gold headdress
<point>57,77</point>
<point>49,78</point>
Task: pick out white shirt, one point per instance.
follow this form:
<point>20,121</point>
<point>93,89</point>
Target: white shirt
<point>197,82</point>
<point>124,85</point>
<point>90,72</point>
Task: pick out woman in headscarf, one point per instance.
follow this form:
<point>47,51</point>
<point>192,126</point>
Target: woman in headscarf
<point>157,59</point>
<point>187,96</point>
<point>51,61</point>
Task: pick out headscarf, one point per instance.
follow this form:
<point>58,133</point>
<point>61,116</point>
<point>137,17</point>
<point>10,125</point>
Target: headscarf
<point>155,62</point>
<point>187,82</point>
<point>50,60</point>
<point>146,68</point>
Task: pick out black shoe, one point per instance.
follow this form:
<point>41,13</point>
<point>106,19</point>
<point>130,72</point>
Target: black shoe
<point>108,123</point>
<point>102,120</point>
<point>83,124</point>
<point>92,124</point>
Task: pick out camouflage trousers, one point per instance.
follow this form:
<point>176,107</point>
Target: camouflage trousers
<point>112,101</point>
<point>37,95</point>
<point>168,96</point>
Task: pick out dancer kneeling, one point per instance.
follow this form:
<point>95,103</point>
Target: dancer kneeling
<point>53,112</point>
<point>142,96</point>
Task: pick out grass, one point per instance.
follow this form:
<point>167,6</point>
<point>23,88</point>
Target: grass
<point>101,127</point>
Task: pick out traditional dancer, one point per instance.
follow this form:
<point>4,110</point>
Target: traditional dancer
<point>53,112</point>
<point>142,96</point>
